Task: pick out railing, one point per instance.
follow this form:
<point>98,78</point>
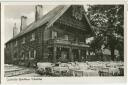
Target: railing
<point>61,41</point>
<point>51,41</point>
<point>79,44</point>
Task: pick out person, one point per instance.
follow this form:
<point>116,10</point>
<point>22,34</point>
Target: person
<point>83,59</point>
<point>63,59</point>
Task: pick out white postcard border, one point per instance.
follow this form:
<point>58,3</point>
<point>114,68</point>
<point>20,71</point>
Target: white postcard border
<point>50,80</point>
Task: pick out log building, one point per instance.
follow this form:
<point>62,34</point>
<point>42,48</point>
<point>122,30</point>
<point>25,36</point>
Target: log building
<point>62,32</point>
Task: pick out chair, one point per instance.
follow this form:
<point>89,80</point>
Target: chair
<point>121,72</point>
<point>71,72</point>
<point>104,72</point>
<point>78,73</point>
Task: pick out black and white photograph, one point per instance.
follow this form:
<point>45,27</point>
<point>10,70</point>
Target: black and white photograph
<point>0,43</point>
<point>83,40</point>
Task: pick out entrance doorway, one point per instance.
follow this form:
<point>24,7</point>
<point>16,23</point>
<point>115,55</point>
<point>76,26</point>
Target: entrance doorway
<point>63,55</point>
<point>75,54</point>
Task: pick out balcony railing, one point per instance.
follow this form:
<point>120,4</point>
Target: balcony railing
<point>66,42</point>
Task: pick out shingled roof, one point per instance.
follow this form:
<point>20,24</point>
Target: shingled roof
<point>47,19</point>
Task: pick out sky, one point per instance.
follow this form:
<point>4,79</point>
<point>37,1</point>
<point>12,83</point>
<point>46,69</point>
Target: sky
<point>13,13</point>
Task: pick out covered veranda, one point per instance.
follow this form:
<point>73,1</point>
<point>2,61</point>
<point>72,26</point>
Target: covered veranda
<point>70,53</point>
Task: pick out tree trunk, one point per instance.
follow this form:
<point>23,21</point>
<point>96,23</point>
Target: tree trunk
<point>121,56</point>
<point>112,54</point>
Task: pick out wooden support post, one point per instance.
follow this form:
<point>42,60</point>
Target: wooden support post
<point>71,55</point>
<point>85,55</point>
<point>54,54</point>
<point>79,52</point>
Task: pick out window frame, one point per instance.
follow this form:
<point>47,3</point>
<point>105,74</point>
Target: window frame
<point>33,37</point>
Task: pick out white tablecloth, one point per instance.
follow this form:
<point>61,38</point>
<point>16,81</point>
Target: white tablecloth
<point>84,72</point>
<point>114,70</point>
<point>110,70</point>
<point>57,68</point>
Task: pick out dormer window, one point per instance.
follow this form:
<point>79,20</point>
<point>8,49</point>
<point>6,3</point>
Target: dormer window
<point>32,37</point>
<point>54,34</point>
<point>23,41</point>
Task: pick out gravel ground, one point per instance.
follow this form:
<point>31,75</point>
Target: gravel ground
<point>13,70</point>
<point>30,75</point>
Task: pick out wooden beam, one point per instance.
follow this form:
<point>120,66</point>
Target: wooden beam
<point>54,54</point>
<point>71,55</point>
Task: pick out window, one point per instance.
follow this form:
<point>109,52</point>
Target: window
<point>34,53</point>
<point>66,37</point>
<point>33,37</point>
<point>26,57</point>
<point>29,54</point>
<point>54,34</point>
<point>23,41</point>
<point>15,54</point>
<point>22,58</point>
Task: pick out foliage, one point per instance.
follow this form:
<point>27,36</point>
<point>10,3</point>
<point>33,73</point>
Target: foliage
<point>108,22</point>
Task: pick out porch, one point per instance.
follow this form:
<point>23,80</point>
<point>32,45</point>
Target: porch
<point>66,53</point>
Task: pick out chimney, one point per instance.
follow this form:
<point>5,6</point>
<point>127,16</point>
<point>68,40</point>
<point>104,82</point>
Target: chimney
<point>23,23</point>
<point>38,12</point>
<point>15,30</point>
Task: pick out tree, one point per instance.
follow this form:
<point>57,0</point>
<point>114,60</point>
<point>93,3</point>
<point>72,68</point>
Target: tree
<point>108,21</point>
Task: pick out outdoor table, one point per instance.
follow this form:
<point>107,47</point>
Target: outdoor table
<point>83,66</point>
<point>58,70</point>
<point>44,68</point>
<point>44,65</point>
<point>121,69</point>
<point>97,67</point>
<point>86,72</point>
<point>72,70</point>
<point>109,71</point>
<point>114,71</point>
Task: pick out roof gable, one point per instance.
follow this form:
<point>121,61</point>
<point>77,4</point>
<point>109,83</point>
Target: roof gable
<point>75,17</point>
<point>47,19</point>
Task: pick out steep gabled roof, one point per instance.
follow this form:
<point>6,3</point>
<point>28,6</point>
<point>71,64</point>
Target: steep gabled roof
<point>47,19</point>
